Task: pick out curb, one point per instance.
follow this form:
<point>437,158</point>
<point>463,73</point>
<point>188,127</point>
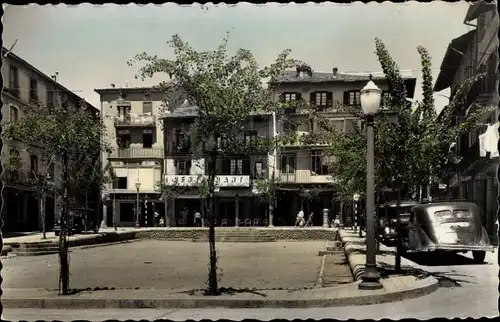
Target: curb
<point>217,302</point>
<point>319,282</point>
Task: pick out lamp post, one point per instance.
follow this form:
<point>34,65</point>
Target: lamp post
<point>137,222</point>
<point>370,101</point>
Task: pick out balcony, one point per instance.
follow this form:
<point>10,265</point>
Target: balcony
<point>304,177</point>
<point>131,120</point>
<point>195,180</point>
<point>142,153</point>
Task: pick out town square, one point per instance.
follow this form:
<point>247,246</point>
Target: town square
<point>250,161</point>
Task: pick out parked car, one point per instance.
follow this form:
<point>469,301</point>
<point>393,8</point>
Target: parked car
<point>79,220</point>
<point>447,227</point>
<point>387,219</point>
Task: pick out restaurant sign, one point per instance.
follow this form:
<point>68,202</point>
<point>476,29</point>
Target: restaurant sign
<point>195,180</point>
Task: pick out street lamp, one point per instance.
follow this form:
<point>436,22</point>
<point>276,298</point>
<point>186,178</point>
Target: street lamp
<point>137,187</point>
<point>370,101</point>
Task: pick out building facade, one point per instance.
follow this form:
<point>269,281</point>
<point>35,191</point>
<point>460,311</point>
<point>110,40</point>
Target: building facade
<point>303,168</point>
<point>300,169</point>
<point>134,130</point>
<point>475,52</point>
<point>24,87</point>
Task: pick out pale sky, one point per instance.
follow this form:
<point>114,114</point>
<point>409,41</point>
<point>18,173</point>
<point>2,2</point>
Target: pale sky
<point>89,45</point>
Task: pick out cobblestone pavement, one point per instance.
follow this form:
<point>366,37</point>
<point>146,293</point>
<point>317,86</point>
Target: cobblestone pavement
<point>172,265</point>
<point>469,291</point>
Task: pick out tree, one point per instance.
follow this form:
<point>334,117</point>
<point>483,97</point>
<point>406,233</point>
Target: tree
<point>409,153</point>
<point>226,91</point>
<point>73,134</point>
<point>267,189</point>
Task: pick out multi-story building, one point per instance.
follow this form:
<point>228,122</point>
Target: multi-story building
<point>237,202</point>
<point>303,168</point>
<point>475,52</point>
<point>136,135</point>
<point>300,169</point>
<point>24,86</point>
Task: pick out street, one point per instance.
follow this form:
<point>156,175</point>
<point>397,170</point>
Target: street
<point>467,290</point>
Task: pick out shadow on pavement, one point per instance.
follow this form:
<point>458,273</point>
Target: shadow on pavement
<point>441,259</point>
<point>445,279</point>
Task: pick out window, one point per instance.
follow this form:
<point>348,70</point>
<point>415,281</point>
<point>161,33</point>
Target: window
<point>288,164</point>
<point>182,167</point>
<point>289,126</point>
<point>14,81</point>
<point>121,183</point>
<point>64,100</point>
<point>147,140</point>
<point>250,137</point>
<point>33,90</point>
<point>14,116</point>
<point>51,171</point>
<point>181,143</point>
<point>147,108</point>
<point>50,98</point>
<point>124,111</point>
<point>260,172</point>
<point>386,98</point>
<point>236,167</point>
<point>288,97</point>
<point>320,99</point>
<point>319,163</point>
<point>33,166</point>
<point>124,141</point>
<point>352,98</point>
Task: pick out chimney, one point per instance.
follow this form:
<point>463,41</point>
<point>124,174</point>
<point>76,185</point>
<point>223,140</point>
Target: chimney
<point>335,70</point>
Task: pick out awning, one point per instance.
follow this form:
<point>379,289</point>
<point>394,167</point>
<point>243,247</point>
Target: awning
<point>452,60</point>
<point>478,8</point>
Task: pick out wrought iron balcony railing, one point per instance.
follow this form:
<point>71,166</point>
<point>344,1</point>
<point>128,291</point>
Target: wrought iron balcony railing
<point>137,153</point>
<point>130,120</point>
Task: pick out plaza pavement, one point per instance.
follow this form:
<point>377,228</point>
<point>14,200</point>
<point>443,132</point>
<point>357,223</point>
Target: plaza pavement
<point>153,273</point>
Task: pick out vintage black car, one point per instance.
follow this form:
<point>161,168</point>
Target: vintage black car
<point>387,219</point>
<point>447,227</point>
<point>79,220</point>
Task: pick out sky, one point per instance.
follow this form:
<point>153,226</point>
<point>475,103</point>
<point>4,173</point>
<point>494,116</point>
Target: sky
<point>89,45</point>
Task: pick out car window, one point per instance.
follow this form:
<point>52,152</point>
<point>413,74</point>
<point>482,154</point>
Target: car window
<point>457,214</point>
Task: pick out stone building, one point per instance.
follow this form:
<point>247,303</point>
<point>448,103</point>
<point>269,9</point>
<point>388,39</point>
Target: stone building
<point>133,128</point>
<point>24,86</point>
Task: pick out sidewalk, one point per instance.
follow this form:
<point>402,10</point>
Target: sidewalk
<point>355,249</point>
<point>395,289</point>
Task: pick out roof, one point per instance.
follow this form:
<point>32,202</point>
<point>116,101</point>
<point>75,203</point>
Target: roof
<point>290,76</point>
<point>478,8</point>
<point>446,205</point>
<point>48,79</point>
<point>452,60</point>
<point>111,90</point>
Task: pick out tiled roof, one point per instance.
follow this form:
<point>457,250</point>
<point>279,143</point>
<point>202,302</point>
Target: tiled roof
<point>290,76</point>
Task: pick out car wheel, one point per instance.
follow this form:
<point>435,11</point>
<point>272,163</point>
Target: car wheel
<point>56,232</point>
<point>479,256</point>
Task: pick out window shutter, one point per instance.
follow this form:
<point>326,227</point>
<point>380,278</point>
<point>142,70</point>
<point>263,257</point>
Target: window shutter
<point>312,98</point>
<point>246,166</point>
<point>346,98</point>
<point>329,99</point>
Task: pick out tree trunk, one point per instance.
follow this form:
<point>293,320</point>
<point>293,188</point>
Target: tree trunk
<point>399,244</point>
<point>63,240</point>
<point>213,288</point>
<point>167,216</point>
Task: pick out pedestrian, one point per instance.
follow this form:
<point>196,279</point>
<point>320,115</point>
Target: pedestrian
<point>156,218</point>
<point>299,221</point>
<point>197,219</point>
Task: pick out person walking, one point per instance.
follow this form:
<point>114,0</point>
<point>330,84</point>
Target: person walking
<point>197,219</point>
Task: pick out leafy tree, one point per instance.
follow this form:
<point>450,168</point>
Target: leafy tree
<point>411,152</point>
<point>73,134</point>
<point>226,91</point>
